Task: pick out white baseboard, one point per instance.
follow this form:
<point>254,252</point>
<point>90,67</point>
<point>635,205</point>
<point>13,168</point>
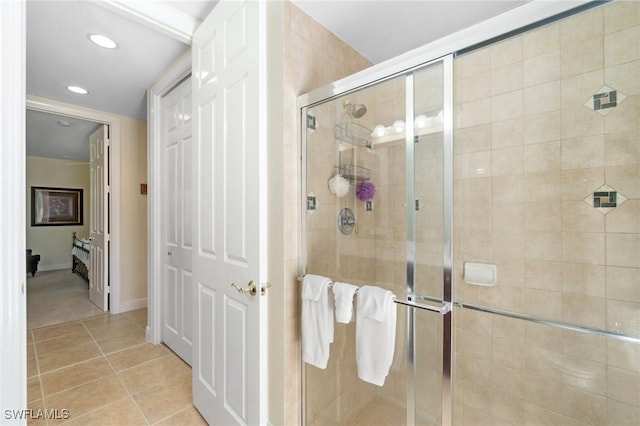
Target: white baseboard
<point>148,335</point>
<point>54,267</point>
<point>132,305</point>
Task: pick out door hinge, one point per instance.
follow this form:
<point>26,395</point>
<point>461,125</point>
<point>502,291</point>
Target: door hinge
<point>417,204</point>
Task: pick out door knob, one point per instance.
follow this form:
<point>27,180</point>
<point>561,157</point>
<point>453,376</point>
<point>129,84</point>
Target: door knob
<point>252,289</point>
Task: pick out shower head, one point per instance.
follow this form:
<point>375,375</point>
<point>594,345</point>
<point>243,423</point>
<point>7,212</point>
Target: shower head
<point>354,110</point>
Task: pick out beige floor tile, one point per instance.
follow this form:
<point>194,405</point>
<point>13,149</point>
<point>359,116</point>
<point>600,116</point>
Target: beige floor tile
<point>88,397</point>
<point>138,316</point>
<point>189,416</point>
<point>72,355</point>
<point>67,364</point>
<point>75,375</point>
<point>109,331</point>
<point>165,399</point>
<point>106,320</point>
<point>32,367</point>
<point>154,372</point>
<point>35,406</point>
<point>122,412</point>
<point>34,391</point>
<point>136,355</point>
<point>122,341</point>
<point>61,343</point>
<point>68,329</point>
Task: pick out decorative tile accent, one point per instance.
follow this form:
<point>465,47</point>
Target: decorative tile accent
<point>312,123</point>
<point>605,99</point>
<point>605,199</point>
<point>311,203</point>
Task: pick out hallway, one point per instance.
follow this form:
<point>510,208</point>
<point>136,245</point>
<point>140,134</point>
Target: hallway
<point>102,372</point>
<point>55,297</point>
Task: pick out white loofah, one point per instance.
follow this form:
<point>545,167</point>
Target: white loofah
<point>339,185</point>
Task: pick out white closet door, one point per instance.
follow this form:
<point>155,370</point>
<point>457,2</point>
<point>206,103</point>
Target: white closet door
<point>177,235</point>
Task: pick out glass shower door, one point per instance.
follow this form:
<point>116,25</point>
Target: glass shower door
<point>357,239</point>
<point>430,163</point>
<point>389,136</point>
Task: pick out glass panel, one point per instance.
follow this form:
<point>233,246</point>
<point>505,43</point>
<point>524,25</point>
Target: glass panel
<point>428,368</point>
<point>429,240</point>
<point>370,251</point>
<point>547,185</point>
<point>520,372</point>
<point>429,188</point>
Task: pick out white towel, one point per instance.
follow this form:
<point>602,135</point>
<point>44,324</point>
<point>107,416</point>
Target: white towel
<point>317,320</point>
<point>375,333</point>
<point>343,299</point>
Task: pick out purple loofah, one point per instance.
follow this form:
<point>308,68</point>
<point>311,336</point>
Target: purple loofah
<point>365,191</point>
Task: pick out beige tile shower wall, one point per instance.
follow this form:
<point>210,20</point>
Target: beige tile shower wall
<point>529,150</point>
<point>313,57</point>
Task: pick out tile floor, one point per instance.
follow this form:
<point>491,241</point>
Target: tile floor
<point>103,372</point>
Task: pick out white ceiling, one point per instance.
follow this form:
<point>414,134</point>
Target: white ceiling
<point>382,29</point>
<point>47,138</point>
<point>60,54</point>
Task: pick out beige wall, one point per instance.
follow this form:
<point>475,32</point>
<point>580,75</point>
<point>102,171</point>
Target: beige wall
<point>53,243</point>
<point>133,172</point>
<point>528,153</point>
<point>313,57</point>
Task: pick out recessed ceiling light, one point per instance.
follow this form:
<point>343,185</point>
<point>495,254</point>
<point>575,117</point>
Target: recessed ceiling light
<point>103,41</point>
<point>77,89</point>
<point>63,123</point>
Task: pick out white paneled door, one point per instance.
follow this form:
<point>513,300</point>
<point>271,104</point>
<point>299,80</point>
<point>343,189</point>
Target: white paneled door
<point>229,269</point>
<point>99,217</point>
<point>177,235</point>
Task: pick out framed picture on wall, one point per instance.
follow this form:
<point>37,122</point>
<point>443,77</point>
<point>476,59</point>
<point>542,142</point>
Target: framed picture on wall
<point>56,206</point>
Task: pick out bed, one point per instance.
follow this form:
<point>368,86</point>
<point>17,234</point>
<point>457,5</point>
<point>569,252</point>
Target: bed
<point>81,252</point>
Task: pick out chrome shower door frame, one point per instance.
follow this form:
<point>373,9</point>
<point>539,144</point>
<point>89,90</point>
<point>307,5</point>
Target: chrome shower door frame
<point>447,241</point>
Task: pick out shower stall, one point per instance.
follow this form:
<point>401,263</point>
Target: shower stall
<point>495,191</point>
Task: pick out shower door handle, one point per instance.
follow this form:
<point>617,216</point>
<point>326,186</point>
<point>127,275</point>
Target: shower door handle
<point>444,309</point>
